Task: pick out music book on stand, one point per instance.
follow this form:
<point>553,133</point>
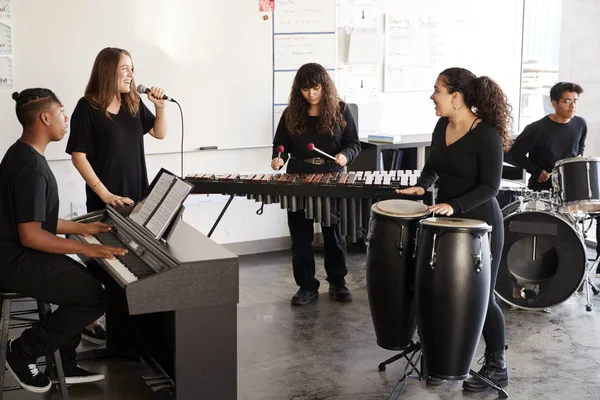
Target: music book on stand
<point>163,205</point>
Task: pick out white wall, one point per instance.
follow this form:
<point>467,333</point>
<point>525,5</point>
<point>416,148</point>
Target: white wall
<point>580,59</point>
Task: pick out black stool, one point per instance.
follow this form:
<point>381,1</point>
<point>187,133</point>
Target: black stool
<point>54,367</point>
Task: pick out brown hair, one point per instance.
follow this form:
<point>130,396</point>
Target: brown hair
<point>330,113</point>
<point>484,97</point>
<point>103,86</point>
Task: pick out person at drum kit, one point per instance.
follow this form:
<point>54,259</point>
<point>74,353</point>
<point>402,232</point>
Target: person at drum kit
<point>555,137</point>
<point>466,159</point>
<point>316,116</point>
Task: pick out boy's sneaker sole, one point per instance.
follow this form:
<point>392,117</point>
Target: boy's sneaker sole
<point>74,380</point>
<point>33,389</point>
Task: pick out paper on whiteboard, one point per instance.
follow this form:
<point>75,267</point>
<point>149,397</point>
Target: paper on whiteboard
<point>360,16</point>
<point>365,47</point>
<point>277,113</point>
<point>4,9</point>
<point>297,16</point>
<point>293,51</point>
<point>6,73</point>
<point>409,40</point>
<point>5,39</point>
<point>360,88</point>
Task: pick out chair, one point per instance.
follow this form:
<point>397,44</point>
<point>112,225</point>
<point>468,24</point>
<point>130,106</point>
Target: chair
<point>53,362</point>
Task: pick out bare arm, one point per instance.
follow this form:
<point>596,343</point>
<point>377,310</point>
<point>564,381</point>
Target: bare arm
<point>86,171</point>
<point>159,130</point>
<point>34,237</point>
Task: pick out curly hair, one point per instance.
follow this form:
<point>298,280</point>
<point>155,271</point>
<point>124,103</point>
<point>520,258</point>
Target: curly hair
<point>330,113</point>
<point>32,102</point>
<point>103,86</point>
<point>485,98</point>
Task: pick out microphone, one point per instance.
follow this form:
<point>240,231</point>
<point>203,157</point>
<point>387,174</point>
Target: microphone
<point>143,89</point>
<point>279,151</point>
<point>312,147</point>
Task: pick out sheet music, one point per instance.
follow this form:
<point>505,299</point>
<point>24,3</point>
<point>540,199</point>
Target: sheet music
<point>152,201</point>
<point>162,217</point>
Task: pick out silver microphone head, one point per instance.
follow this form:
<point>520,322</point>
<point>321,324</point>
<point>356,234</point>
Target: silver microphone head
<point>141,89</point>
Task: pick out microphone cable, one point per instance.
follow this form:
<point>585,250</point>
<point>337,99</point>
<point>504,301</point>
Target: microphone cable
<point>182,133</point>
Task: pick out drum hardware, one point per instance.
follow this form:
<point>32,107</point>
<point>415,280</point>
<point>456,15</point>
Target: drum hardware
<point>433,259</point>
<point>588,284</point>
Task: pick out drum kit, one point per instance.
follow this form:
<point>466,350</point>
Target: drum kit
<point>433,274</point>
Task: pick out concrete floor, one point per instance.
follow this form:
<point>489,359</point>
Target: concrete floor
<point>327,350</point>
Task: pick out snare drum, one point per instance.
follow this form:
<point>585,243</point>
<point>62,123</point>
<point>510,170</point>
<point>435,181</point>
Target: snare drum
<point>543,259</point>
<point>576,183</point>
<point>391,270</point>
<point>452,292</point>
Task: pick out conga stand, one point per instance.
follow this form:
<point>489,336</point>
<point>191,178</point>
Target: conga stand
<point>414,350</point>
<point>412,354</point>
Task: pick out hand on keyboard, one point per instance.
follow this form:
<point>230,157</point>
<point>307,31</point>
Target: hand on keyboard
<point>102,251</point>
<point>93,228</point>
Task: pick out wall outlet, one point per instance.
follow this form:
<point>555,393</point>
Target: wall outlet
<point>78,209</point>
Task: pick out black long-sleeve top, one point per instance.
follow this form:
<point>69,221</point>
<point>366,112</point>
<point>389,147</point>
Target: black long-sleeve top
<point>345,140</point>
<point>547,142</point>
<point>469,170</point>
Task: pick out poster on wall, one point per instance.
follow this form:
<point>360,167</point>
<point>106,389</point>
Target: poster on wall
<point>6,76</point>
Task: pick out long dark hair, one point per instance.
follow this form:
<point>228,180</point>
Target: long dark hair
<point>103,86</point>
<point>330,113</point>
<point>484,97</point>
<point>32,102</point>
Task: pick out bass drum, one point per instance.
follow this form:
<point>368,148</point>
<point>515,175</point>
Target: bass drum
<point>543,260</point>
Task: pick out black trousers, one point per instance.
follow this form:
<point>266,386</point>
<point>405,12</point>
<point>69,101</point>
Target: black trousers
<point>62,281</point>
<point>303,259</point>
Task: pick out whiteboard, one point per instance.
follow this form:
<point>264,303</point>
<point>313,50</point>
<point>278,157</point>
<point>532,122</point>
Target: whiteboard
<point>481,35</point>
<point>293,16</point>
<point>217,63</point>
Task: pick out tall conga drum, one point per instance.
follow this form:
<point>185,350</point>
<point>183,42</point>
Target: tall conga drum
<point>391,270</point>
<point>452,292</point>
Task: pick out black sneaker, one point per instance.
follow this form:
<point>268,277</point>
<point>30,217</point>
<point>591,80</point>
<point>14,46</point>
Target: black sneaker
<point>74,374</point>
<point>303,297</point>
<point>97,335</point>
<point>27,374</point>
<point>340,292</point>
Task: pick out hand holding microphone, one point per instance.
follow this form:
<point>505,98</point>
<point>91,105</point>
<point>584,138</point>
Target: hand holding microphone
<point>278,162</point>
<point>155,95</point>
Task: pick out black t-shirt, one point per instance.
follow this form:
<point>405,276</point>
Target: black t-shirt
<point>29,194</point>
<point>114,148</point>
<point>469,170</point>
<point>345,140</point>
<point>547,142</point>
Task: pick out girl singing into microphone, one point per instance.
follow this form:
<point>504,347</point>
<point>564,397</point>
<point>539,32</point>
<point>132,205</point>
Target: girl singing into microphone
<point>107,132</point>
<point>107,138</point>
<point>315,115</point>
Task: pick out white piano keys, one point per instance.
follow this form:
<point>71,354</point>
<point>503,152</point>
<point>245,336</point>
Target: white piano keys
<point>117,266</point>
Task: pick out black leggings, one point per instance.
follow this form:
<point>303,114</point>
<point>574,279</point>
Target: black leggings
<point>493,328</point>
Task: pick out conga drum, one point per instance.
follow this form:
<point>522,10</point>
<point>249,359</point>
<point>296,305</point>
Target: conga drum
<point>452,292</point>
<point>391,270</point>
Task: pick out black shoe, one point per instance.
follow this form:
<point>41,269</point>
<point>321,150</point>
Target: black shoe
<point>303,297</point>
<point>494,369</point>
<point>340,292</point>
<point>74,374</point>
<point>97,335</point>
<point>27,374</point>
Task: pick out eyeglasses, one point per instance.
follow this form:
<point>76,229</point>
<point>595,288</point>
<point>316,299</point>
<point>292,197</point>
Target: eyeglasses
<point>568,102</point>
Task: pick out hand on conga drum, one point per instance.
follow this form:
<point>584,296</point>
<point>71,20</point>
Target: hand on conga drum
<point>544,175</point>
<point>415,190</point>
<point>442,209</point>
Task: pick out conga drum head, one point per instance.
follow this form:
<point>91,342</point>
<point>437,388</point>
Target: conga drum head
<point>398,208</point>
<point>543,260</point>
<point>456,224</point>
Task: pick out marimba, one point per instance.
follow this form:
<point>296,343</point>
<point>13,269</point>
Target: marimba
<point>344,198</point>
